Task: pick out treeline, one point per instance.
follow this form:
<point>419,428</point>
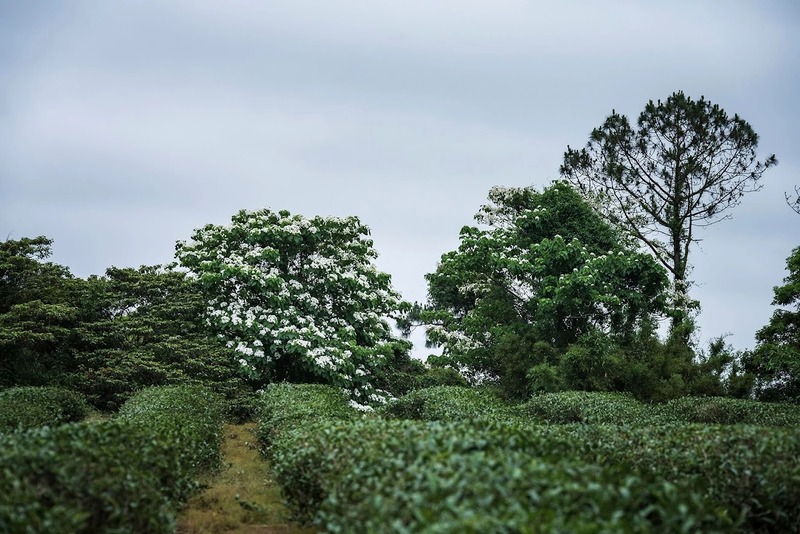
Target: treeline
<point>549,296</point>
<point>105,336</point>
<point>563,288</point>
<point>110,336</point>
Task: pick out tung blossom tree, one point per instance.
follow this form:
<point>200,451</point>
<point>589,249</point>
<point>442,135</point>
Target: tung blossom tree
<point>298,299</point>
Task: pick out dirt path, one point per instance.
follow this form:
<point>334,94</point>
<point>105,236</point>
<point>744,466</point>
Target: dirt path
<point>242,497</point>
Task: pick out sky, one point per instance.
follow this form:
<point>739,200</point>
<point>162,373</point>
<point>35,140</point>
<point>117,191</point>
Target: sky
<point>125,125</point>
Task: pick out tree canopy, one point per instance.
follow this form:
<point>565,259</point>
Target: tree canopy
<point>683,167</point>
<point>38,312</point>
<point>776,359</point>
<point>298,299</point>
<point>547,270</point>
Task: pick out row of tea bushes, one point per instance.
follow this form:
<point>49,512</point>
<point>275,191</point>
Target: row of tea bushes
<point>286,406</point>
<point>748,472</point>
<point>349,473</point>
<point>448,403</point>
<point>722,410</point>
<point>23,408</point>
<point>409,476</point>
<point>452,403</point>
<point>188,418</point>
<point>751,471</point>
<point>127,474</point>
<point>616,408</point>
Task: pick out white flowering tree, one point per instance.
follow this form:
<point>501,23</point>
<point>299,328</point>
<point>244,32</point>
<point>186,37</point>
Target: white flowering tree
<point>298,299</point>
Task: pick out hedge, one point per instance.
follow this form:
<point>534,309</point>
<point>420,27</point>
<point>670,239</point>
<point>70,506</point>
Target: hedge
<point>617,408</point>
<point>23,408</point>
<point>586,407</point>
<point>408,476</point>
<point>189,418</point>
<point>285,406</point>
<point>722,410</point>
<point>449,403</point>
<point>369,475</point>
<point>128,474</point>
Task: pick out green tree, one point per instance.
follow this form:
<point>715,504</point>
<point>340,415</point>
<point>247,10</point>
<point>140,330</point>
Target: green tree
<point>298,299</point>
<point>776,358</point>
<point>546,273</point>
<point>683,167</point>
<point>37,313</point>
<point>144,327</point>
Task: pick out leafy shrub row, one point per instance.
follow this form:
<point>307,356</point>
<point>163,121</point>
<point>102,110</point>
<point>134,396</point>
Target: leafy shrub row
<point>448,403</point>
<point>30,407</point>
<point>585,407</point>
<point>476,475</point>
<point>128,474</point>
<point>188,418</point>
<point>723,410</point>
<point>285,406</point>
<point>408,476</point>
<point>751,472</point>
<point>616,408</point>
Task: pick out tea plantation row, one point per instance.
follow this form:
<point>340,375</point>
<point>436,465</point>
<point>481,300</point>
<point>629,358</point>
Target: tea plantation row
<point>459,460</point>
<point>127,474</point>
<point>441,459</point>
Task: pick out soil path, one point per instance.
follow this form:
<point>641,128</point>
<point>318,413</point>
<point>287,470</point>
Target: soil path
<point>241,497</point>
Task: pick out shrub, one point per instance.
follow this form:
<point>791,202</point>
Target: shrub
<point>408,476</point>
<point>128,474</point>
<point>440,376</point>
<point>448,403</point>
<point>586,407</point>
<point>29,407</point>
<point>746,471</point>
<point>285,406</point>
<point>482,474</point>
<point>189,418</point>
<point>721,410</point>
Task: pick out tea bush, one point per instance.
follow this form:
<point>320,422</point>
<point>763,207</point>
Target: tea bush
<point>448,403</point>
<point>190,418</point>
<point>588,407</point>
<point>751,472</point>
<point>285,406</point>
<point>616,408</point>
<point>29,407</point>
<point>128,474</point>
<point>723,410</point>
<point>474,475</point>
<point>408,476</point>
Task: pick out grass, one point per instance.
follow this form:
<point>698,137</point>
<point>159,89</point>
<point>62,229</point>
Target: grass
<point>241,497</point>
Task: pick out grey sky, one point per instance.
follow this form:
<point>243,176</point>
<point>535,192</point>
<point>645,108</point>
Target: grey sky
<point>124,125</point>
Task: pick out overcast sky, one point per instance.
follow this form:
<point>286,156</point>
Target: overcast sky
<point>124,125</point>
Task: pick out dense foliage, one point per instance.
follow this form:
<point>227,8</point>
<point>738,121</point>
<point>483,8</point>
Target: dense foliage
<point>553,297</point>
<point>129,474</point>
<point>548,263</point>
<point>448,403</point>
<point>684,167</point>
<point>38,311</point>
<point>364,474</point>
<point>106,336</point>
<point>776,359</point>
<point>144,327</point>
<point>619,409</point>
<point>298,299</point>
<point>30,407</point>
